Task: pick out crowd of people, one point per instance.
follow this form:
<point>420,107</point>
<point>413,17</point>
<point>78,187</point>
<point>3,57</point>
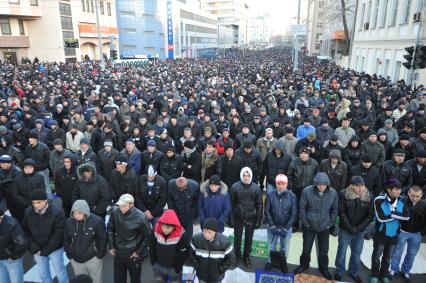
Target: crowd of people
<point>239,141</point>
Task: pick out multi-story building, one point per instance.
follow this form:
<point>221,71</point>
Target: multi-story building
<point>32,28</point>
<point>382,30</point>
<point>141,28</point>
<point>316,22</point>
<point>15,19</point>
<point>233,14</point>
<point>259,29</point>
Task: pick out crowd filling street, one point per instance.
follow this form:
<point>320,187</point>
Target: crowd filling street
<point>125,160</point>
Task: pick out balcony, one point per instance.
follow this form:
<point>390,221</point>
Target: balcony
<point>22,8</point>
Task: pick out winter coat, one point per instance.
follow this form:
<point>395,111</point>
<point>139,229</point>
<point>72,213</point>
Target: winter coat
<point>388,219</point>
<point>13,242</point>
<point>73,143</point>
<point>418,145</point>
<point>246,200</point>
<point>251,160</point>
<point>152,199</point>
<point>123,183</point>
<point>232,168</point>
<point>241,138</point>
<point>401,172</point>
<point>150,159</point>
<point>375,150</point>
<point>56,159</point>
<point>344,134</point>
<point>134,159</point>
<point>44,231</point>
<point>64,185</point>
<point>274,165</point>
<point>214,205</point>
<point>6,181</point>
<point>212,166</point>
<point>171,167</point>
<point>301,174</point>
<point>84,239</point>
<point>351,155</point>
<point>58,133</point>
<point>417,220</point>
<point>281,209</point>
<point>88,156</point>
<point>184,202</point>
<point>211,258</point>
<point>419,176</point>
<point>169,251</point>
<point>192,166</point>
<point>372,177</point>
<point>15,153</point>
<point>290,145</point>
<point>355,212</point>
<point>106,162</point>
<point>128,233</point>
<point>324,134</point>
<point>95,191</point>
<point>40,154</point>
<point>338,175</point>
<point>264,146</point>
<point>318,155</point>
<point>392,135</point>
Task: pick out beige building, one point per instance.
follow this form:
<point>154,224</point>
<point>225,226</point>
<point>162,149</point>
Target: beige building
<point>37,28</point>
<point>316,23</point>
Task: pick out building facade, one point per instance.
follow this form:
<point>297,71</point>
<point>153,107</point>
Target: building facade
<point>141,29</point>
<point>259,29</point>
<point>382,30</point>
<point>316,20</point>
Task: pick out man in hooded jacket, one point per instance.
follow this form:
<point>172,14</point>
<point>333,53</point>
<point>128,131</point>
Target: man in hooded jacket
<point>276,162</point>
<point>64,180</point>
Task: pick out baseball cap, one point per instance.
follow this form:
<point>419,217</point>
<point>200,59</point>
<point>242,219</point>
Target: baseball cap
<point>125,199</point>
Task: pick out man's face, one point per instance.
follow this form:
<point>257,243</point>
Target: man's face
<point>79,216</point>
<point>126,207</point>
<point>87,174</point>
<point>372,138</point>
<point>399,159</point>
<point>209,234</point>
<point>304,156</point>
<point>394,192</point>
<point>358,188</point>
<point>345,123</point>
<point>58,147</point>
<point>209,148</point>
<point>269,134</point>
<point>130,146</point>
<point>214,188</point>
<point>245,130</point>
<point>321,187</point>
<point>415,196</point>
<point>120,167</point>
<point>421,160</point>
<point>366,164</point>
<point>84,147</point>
<point>170,154</point>
<point>246,178</point>
<point>67,163</point>
<point>334,160</point>
<point>39,204</point>
<point>151,149</point>
<point>281,187</point>
<point>229,152</point>
<point>248,149</point>
<point>32,141</point>
<point>28,169</point>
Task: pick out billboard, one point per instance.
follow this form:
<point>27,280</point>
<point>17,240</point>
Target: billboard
<point>170,45</point>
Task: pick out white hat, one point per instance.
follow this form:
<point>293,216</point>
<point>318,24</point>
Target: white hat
<point>125,199</point>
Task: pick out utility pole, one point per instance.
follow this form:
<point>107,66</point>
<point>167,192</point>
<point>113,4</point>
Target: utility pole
<point>296,42</point>
<point>98,26</point>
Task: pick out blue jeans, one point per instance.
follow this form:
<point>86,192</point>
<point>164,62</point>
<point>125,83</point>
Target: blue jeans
<point>57,260</point>
<point>356,243</point>
<point>413,241</point>
<point>274,240</point>
<point>11,271</point>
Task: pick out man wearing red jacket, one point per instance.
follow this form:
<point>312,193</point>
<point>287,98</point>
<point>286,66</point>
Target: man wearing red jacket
<point>223,141</point>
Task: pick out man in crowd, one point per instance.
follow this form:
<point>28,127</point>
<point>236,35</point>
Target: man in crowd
<point>123,178</point>
<point>8,173</point>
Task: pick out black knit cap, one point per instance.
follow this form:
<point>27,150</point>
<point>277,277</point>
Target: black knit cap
<point>38,195</point>
<point>210,224</point>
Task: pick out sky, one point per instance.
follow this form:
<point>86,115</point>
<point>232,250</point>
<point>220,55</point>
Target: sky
<point>281,12</point>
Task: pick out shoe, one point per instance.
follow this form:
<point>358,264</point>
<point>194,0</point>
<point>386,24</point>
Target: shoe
<point>300,269</point>
<point>337,277</point>
<point>247,262</point>
<point>405,275</point>
<point>326,274</point>
<point>268,267</point>
<point>284,268</point>
<point>356,278</point>
<point>374,280</point>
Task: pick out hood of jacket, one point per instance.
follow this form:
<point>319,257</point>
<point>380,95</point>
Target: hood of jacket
<point>81,206</point>
<point>336,154</point>
<point>321,178</point>
<point>244,170</point>
<point>382,132</point>
<point>354,138</point>
<point>168,217</point>
<point>8,140</point>
<point>88,165</point>
<point>279,145</point>
<point>204,188</point>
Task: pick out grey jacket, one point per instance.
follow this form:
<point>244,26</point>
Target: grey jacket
<point>318,212</point>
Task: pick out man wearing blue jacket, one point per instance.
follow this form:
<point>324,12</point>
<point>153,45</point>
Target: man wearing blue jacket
<point>389,210</point>
<point>281,213</point>
<point>214,202</point>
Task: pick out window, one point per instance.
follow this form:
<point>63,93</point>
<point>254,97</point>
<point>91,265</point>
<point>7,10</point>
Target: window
<point>321,4</point>
<point>384,13</point>
<point>21,27</point>
<point>83,6</point>
<point>375,14</point>
<point>102,8</point>
<point>320,25</point>
<point>64,9</point>
<point>34,2</point>
<point>109,9</point>
<point>405,17</point>
<point>317,46</point>
<point>5,26</point>
<point>320,14</point>
<point>394,12</point>
<point>368,15</point>
<point>362,16</point>
<point>66,23</point>
<point>317,36</point>
<point>92,6</point>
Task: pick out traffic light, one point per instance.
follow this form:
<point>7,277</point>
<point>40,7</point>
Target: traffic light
<point>408,57</point>
<point>420,57</point>
<point>113,54</point>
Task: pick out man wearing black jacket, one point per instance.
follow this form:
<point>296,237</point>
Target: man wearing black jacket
<point>370,174</point>
<point>232,164</point>
<point>128,237</point>
<point>13,244</point>
<point>39,152</point>
<point>8,173</point>
<point>65,179</point>
<point>191,161</point>
<point>85,241</point>
<point>123,178</point>
<point>44,226</point>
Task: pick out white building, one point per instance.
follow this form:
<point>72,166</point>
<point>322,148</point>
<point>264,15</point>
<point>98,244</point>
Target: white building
<point>233,14</point>
<point>382,30</point>
<point>316,22</point>
<point>259,29</point>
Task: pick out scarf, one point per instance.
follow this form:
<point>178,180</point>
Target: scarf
<point>188,154</point>
<point>205,162</point>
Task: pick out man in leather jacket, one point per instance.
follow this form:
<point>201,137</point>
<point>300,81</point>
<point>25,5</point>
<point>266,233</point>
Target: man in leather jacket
<point>128,237</point>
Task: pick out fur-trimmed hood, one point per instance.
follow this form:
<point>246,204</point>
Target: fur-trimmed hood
<point>205,186</point>
<point>87,165</point>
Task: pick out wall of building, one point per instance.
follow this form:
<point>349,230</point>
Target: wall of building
<point>316,21</point>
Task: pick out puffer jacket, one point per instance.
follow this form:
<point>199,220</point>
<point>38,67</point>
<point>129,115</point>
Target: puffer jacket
<point>40,154</point>
<point>338,175</point>
<point>211,258</point>
<point>84,239</point>
<point>123,183</point>
<point>274,165</point>
<point>216,205</point>
<point>13,242</point>
<point>376,151</point>
<point>153,199</point>
<point>246,200</point>
<point>96,191</point>
<point>318,212</point>
<point>352,155</point>
<point>281,209</point>
<point>44,231</point>
<point>128,233</point>
<point>355,212</point>
<point>401,172</point>
<point>184,202</point>
<point>301,174</point>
